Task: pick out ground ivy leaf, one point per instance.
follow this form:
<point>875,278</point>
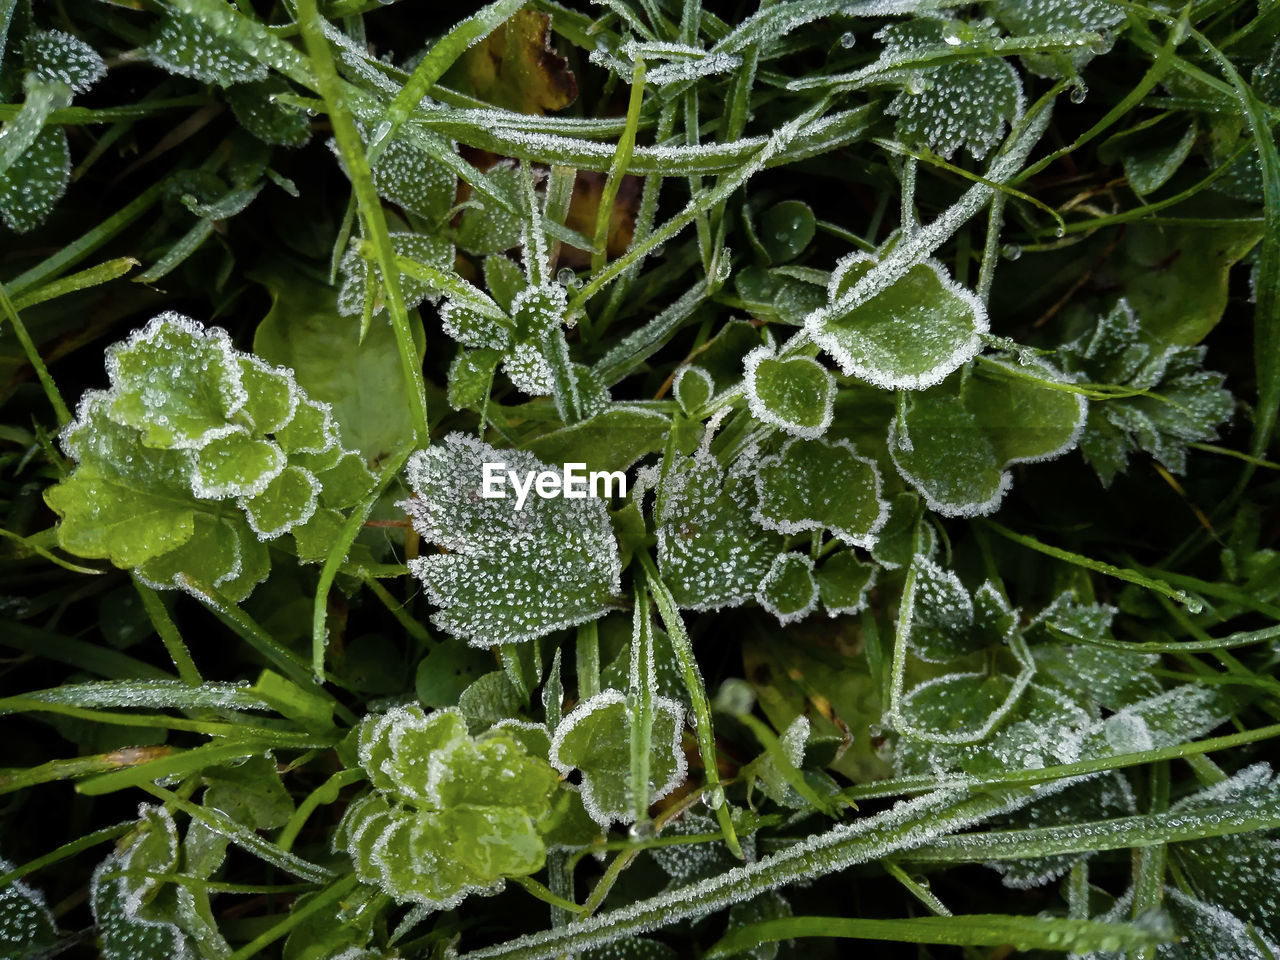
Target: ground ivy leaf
<point>942,615</point>
<point>789,590</point>
<point>965,103</point>
<point>257,109</point>
<point>595,738</point>
<point>957,705</point>
<point>211,557</point>
<point>844,582</point>
<point>286,502</point>
<point>485,227</point>
<point>896,542</point>
<point>413,179</point>
<point>908,336</point>
<point>957,439</point>
<point>471,377</point>
<point>510,574</point>
<point>36,181</point>
<point>710,552</point>
<point>1187,403</point>
<point>821,485</point>
<point>472,328</point>
<point>1031,17</point>
<point>191,48</point>
<point>795,394</point>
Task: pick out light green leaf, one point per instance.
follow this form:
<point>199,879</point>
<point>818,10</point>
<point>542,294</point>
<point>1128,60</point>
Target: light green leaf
<point>796,394</point>
<point>595,738</point>
<point>821,485</point>
<point>235,465</point>
<point>785,229</point>
<point>471,377</point>
<point>487,228</point>
<point>908,336</point>
<point>511,573</point>
<point>612,440</point>
<point>957,439</point>
<point>413,179</point>
<point>258,111</point>
<point>362,279</point>
<point>1031,17</point>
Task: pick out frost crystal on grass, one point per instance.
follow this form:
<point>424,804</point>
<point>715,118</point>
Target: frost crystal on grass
<point>510,574</point>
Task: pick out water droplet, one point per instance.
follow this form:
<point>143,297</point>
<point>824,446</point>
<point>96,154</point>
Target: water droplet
<point>916,84</point>
<point>1079,92</point>
<point>1011,251</point>
<point>642,830</point>
<point>951,38</point>
<point>847,40</point>
<point>566,277</point>
<point>713,797</point>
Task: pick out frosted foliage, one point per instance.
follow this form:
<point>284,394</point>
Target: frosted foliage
<point>692,387</point>
<point>789,590</point>
<point>509,574</point>
<point>710,552</point>
<point>257,109</point>
<point>129,926</point>
<point>36,181</point>
<point>450,814</point>
<point>1042,729</point>
<point>474,329</point>
<point>1190,403</point>
<point>1084,799</point>
<point>1175,716</point>
<point>53,56</point>
<point>821,485</point>
<point>686,862</point>
<point>25,920</point>
<point>909,335</point>
<point>362,279</point>
<point>189,47</point>
<point>796,394</point>
<point>416,181</point>
<point>966,103</point>
<point>595,738</point>
<point>188,422</point>
<point>528,369</point>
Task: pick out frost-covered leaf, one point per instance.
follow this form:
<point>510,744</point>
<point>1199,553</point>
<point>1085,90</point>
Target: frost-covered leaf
<point>710,552</point>
<point>509,574</point>
<point>191,48</point>
<point>1208,930</point>
<point>692,388</point>
<point>1176,716</point>
<point>413,179</point>
<point>821,485</point>
<point>794,393</point>
<point>176,436</point>
<point>256,107</point>
<point>53,56</point>
<point>36,181</point>
<point>450,814</point>
<point>362,278</point>
<point>471,377</point>
<point>957,706</point>
<point>947,623</point>
<point>896,542</point>
<point>1187,403</point>
<point>788,589</point>
<point>485,227</point>
<point>26,924</point>
<point>957,440</point>
<point>843,583</point>
<point>612,440</point>
<point>595,738</point>
<point>965,103</point>
<point>908,336</point>
<point>1031,17</point>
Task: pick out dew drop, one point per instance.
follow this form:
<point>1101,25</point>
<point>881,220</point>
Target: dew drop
<point>847,40</point>
<point>1079,92</point>
<point>1011,251</point>
<point>566,277</point>
<point>713,797</point>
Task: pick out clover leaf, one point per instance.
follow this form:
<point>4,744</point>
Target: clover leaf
<point>956,440</point>
<point>596,739</point>
<point>509,574</point>
<point>821,485</point>
<point>906,336</point>
<point>449,814</point>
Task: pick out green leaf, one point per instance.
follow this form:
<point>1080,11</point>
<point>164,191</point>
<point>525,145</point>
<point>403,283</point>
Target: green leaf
<point>821,485</point>
<point>235,464</point>
<point>1031,17</point>
<point>471,377</point>
<point>450,814</point>
<point>692,388</point>
<point>596,738</point>
<point>488,228</point>
<point>510,574</point>
<point>360,378</point>
<point>413,179</point>
<point>965,103</point>
<point>612,440</point>
<point>36,181</point>
<point>785,229</point>
<point>1186,403</point>
<point>956,440</point>
<point>190,48</point>
<point>53,56</point>
<point>26,924</point>
<point>362,279</point>
<point>1152,157</point>
<point>710,552</point>
<point>908,336</point>
<point>258,110</point>
<point>796,394</point>
<point>789,590</point>
<point>844,582</point>
<point>896,543</point>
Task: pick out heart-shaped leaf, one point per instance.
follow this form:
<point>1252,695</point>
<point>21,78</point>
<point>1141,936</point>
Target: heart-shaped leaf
<point>794,393</point>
